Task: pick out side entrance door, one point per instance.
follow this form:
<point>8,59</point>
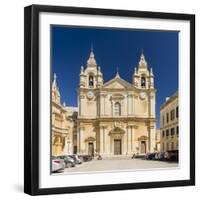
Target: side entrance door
<point>91,148</point>
<point>117,147</point>
<point>143,146</point>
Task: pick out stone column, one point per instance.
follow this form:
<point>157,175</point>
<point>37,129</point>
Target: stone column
<point>80,140</point>
<point>101,139</point>
<point>95,147</point>
<point>80,103</point>
<point>107,141</point>
<point>125,144</point>
<point>152,105</point>
<point>98,141</point>
<point>129,140</point>
<point>132,138</point>
<point>149,139</point>
<point>134,100</point>
<point>128,104</point>
<point>86,148</point>
<point>132,111</point>
<point>112,112</point>
<point>152,132</point>
<point>102,104</point>
<point>111,146</point>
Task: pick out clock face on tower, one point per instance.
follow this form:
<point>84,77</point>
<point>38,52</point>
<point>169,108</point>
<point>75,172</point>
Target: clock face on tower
<point>90,95</point>
<point>142,95</point>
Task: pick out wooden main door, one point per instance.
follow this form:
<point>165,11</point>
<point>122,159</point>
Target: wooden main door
<point>117,147</point>
<point>143,146</point>
<point>91,148</point>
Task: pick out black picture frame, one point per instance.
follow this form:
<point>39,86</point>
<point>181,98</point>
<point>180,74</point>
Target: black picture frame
<point>31,98</point>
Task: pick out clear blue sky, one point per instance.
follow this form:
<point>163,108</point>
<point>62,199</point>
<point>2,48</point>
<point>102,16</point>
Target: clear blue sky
<point>114,48</point>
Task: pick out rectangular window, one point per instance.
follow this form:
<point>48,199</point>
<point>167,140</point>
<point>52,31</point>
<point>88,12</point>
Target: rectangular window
<point>163,134</point>
<point>167,117</point>
<point>167,132</point>
<point>172,146</point>
<point>163,120</point>
<point>172,132</point>
<point>172,115</point>
<point>177,130</point>
<point>117,109</point>
<point>177,112</point>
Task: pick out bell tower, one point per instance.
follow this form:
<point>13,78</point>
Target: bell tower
<point>91,77</point>
<point>142,78</point>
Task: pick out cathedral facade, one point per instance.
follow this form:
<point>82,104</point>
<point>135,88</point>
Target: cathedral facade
<point>116,117</point>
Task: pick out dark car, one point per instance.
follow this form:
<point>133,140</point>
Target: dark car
<point>150,156</point>
<point>69,162</point>
<point>157,156</point>
<point>76,158</point>
<point>86,158</point>
<point>171,155</point>
<point>161,156</point>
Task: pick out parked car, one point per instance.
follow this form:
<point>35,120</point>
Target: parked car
<point>156,156</point>
<point>76,158</point>
<point>69,162</point>
<point>171,155</point>
<point>150,156</point>
<point>86,158</point>
<point>161,156</point>
<point>58,164</point>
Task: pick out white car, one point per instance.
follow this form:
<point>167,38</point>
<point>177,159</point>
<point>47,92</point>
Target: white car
<point>57,164</point>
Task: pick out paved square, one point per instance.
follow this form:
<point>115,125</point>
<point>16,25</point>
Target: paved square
<point>120,164</point>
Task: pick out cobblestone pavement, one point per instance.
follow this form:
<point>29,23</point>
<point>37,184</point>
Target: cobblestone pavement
<point>120,164</point>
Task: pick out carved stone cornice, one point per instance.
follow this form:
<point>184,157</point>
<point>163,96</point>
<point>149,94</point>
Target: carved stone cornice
<point>60,128</point>
<point>82,127</point>
<point>90,139</point>
<point>132,126</point>
<point>142,138</point>
<point>103,95</point>
<point>103,126</point>
<point>82,96</point>
<point>130,95</point>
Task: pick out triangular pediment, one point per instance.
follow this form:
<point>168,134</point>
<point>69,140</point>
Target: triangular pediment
<point>117,83</point>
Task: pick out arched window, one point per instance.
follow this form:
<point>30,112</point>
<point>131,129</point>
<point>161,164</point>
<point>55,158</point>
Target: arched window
<point>117,109</point>
<point>91,81</point>
<point>143,82</point>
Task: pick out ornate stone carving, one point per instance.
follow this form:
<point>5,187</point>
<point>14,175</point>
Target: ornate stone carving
<point>82,96</point>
